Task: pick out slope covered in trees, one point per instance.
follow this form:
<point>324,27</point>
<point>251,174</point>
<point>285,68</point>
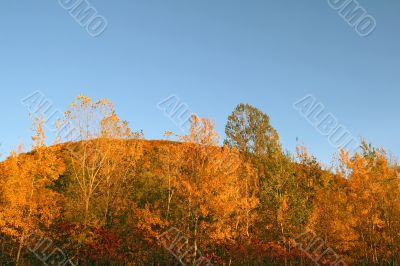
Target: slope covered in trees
<point>110,197</point>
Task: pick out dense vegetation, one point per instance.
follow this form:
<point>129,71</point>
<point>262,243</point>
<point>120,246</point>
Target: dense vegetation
<point>109,196</point>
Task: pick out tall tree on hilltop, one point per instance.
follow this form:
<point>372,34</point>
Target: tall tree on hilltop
<point>88,154</point>
<point>249,130</point>
<point>102,152</point>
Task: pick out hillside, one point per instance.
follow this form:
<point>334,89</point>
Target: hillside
<point>118,199</point>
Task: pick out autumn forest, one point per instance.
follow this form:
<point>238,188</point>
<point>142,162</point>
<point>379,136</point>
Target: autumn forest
<point>102,194</point>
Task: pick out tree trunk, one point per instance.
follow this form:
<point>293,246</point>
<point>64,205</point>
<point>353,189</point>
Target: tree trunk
<point>21,245</point>
<point>195,239</point>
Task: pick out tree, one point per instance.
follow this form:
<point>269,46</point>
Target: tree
<point>86,151</point>
<point>103,153</point>
<point>209,186</point>
<point>29,202</point>
<point>249,130</point>
<point>373,186</point>
<point>102,158</point>
<point>124,150</point>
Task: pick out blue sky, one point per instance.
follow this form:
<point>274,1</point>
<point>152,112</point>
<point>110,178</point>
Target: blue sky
<point>213,55</point>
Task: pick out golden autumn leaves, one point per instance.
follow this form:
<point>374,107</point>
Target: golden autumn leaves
<point>203,181</point>
<point>28,201</point>
<point>107,194</point>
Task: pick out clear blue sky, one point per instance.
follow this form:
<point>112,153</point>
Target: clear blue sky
<point>213,55</point>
